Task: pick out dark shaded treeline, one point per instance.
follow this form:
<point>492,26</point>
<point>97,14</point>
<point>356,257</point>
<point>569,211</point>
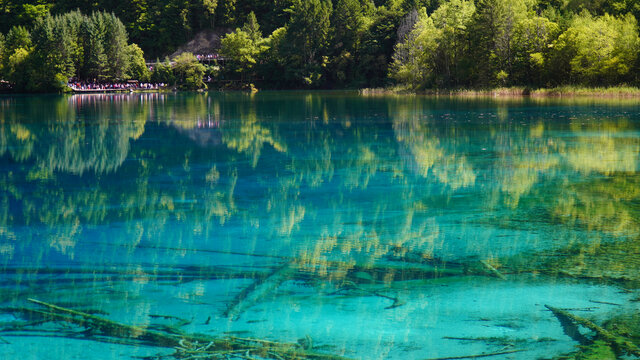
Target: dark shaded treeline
<point>343,43</point>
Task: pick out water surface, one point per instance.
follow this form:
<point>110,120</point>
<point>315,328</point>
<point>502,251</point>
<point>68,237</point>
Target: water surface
<point>386,227</point>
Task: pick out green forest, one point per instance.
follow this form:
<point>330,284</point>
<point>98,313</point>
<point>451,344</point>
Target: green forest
<point>417,44</point>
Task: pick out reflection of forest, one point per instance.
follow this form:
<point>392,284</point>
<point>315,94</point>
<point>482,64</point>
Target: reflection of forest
<point>332,177</point>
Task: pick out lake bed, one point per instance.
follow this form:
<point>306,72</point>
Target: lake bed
<point>365,227</point>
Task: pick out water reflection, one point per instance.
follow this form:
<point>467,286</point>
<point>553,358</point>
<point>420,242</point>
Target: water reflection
<point>348,196</point>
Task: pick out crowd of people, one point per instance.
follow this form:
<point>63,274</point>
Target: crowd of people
<point>131,86</point>
<point>207,57</point>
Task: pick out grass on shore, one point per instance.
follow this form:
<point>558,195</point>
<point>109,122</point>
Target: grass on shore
<point>560,91</point>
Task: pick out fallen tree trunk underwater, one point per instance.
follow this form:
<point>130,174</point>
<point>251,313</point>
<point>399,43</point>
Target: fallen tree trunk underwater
<point>617,342</point>
<point>186,345</point>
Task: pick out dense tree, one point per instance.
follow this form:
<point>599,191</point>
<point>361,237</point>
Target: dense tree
<point>239,49</point>
<point>18,70</point>
<point>18,46</point>
<point>228,13</point>
<point>162,72</point>
<point>252,28</point>
<point>115,45</point>
<point>327,43</point>
<point>378,44</point>
<point>209,9</point>
<point>188,72</point>
<point>137,67</point>
<point>242,48</point>
<point>429,5</point>
<point>451,59</point>
<point>306,41</point>
<point>273,64</point>
<point>18,37</point>
<point>598,50</point>
<point>67,46</point>
<point>349,23</point>
<point>52,54</point>
<point>434,52</point>
<point>92,38</point>
<point>492,35</point>
<point>533,37</point>
<point>2,54</point>
<point>413,60</point>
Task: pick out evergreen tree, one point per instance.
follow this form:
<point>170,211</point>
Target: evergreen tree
<point>115,47</point>
<point>492,33</point>
<point>378,43</point>
<point>54,52</point>
<point>307,39</point>
<point>2,55</point>
<point>348,22</point>
<point>252,28</point>
<point>348,26</point>
<point>73,22</point>
<point>18,37</point>
<point>92,37</point>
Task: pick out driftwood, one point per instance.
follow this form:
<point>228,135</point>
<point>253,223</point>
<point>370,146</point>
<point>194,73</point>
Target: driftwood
<point>186,345</point>
<point>617,342</point>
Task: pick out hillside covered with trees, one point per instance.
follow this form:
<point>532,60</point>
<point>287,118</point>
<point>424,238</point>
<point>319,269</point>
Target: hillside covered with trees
<point>325,43</point>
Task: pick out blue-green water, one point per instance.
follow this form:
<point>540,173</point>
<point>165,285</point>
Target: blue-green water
<point>370,225</point>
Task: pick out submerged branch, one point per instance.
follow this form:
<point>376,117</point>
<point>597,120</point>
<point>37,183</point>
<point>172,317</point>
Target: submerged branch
<point>492,270</point>
<point>350,285</point>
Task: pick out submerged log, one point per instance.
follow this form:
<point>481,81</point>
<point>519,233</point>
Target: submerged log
<point>258,290</point>
<point>185,344</point>
<point>108,327</point>
<point>617,342</point>
<point>569,327</point>
<point>477,356</point>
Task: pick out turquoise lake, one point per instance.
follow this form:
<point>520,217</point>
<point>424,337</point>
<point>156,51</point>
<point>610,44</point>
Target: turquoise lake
<point>331,223</point>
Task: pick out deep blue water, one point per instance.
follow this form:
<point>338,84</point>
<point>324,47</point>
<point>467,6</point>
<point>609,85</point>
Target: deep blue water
<point>145,208</point>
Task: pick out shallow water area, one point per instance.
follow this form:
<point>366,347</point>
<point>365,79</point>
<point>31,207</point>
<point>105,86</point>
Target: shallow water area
<point>319,225</point>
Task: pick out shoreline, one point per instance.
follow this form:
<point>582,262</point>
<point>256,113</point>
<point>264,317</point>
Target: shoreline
<point>620,92</point>
<point>517,92</point>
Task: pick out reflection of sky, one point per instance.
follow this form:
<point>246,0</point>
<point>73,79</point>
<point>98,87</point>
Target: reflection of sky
<point>322,177</point>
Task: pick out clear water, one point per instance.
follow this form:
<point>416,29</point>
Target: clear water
<point>150,208</point>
